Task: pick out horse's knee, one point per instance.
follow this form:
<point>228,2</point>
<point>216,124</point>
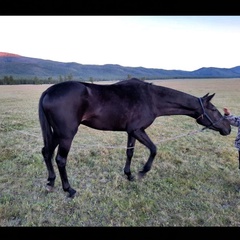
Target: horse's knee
<point>61,161</point>
<point>129,153</point>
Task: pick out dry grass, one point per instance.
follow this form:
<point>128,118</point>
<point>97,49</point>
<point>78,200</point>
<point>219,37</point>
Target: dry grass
<point>194,180</point>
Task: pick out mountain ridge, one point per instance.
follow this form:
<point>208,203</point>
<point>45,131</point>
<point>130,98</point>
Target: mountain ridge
<point>21,67</point>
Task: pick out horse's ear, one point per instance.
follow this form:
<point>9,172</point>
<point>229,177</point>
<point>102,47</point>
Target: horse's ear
<point>210,97</point>
<point>205,95</point>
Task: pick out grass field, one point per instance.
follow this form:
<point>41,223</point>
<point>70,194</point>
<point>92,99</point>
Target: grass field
<point>194,180</point>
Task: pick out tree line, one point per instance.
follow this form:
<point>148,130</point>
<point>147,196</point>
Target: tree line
<point>10,80</point>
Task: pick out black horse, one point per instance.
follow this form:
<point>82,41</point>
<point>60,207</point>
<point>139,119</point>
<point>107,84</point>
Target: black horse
<point>130,106</point>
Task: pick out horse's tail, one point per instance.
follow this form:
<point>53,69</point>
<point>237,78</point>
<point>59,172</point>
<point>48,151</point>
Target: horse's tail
<point>47,132</point>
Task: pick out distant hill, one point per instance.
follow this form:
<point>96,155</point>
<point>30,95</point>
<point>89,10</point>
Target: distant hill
<point>20,67</point>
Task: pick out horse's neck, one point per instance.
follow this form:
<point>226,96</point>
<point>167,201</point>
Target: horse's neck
<point>173,102</point>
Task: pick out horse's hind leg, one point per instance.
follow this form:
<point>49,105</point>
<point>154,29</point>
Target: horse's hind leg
<point>61,160</point>
<point>47,152</point>
<point>129,153</point>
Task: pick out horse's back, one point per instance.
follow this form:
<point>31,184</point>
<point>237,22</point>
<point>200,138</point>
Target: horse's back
<point>70,87</point>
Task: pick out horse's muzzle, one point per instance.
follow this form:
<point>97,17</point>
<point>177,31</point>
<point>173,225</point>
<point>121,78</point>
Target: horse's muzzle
<point>225,132</point>
<point>222,126</point>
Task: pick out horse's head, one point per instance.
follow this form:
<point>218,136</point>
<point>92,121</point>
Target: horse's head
<point>210,117</point>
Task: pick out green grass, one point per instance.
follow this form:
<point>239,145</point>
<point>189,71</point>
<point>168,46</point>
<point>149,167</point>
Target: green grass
<point>194,180</point>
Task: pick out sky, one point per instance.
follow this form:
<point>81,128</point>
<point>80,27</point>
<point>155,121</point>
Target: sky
<point>164,42</point>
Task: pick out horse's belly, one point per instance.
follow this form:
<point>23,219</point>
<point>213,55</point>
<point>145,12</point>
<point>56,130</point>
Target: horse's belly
<point>110,123</point>
<point>104,127</point>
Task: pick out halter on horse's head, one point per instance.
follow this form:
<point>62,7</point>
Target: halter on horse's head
<point>215,121</point>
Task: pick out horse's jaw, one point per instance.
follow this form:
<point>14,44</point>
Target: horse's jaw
<point>223,132</point>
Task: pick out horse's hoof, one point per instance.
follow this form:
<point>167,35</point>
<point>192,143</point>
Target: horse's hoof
<point>49,188</point>
<point>131,178</point>
<point>141,175</point>
<point>71,193</point>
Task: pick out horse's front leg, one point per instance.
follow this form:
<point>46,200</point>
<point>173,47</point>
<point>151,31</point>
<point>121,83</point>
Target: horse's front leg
<point>143,138</point>
<point>129,153</point>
